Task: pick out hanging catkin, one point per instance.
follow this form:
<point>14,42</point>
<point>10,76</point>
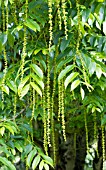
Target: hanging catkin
<point>14,12</point>
<point>52,107</point>
<point>50,23</point>
<point>103,143</point>
<point>65,17</point>
<point>44,123</point>
<point>62,111</point>
<point>5,28</point>
<point>59,99</point>
<point>24,43</point>
<point>59,14</point>
<point>48,100</point>
<point>15,104</point>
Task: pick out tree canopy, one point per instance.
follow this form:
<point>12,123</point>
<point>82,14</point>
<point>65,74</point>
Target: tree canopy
<point>52,81</point>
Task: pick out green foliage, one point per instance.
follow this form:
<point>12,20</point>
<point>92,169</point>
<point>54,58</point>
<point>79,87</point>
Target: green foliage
<point>20,135</point>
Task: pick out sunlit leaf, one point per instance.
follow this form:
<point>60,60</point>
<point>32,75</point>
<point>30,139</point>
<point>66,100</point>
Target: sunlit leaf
<point>36,88</point>
<point>24,90</point>
<point>2,130</point>
<point>6,162</point>
<point>41,165</point>
<point>30,157</point>
<point>75,84</point>
<point>82,93</point>
<point>46,167</point>
<point>65,71</point>
<point>32,25</point>
<point>70,78</point>
<point>38,80</point>
<point>35,162</point>
<point>37,70</point>
<point>5,89</point>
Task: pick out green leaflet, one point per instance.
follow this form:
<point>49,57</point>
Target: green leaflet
<point>65,71</point>
<point>24,91</point>
<point>41,165</point>
<point>30,157</point>
<point>32,25</point>
<point>98,72</point>
<point>82,93</point>
<point>12,129</point>
<point>2,130</point>
<point>36,88</point>
<point>46,167</point>
<point>70,78</point>
<point>18,146</point>
<point>63,62</point>
<point>22,84</point>
<point>35,162</point>
<point>47,159</point>
<point>38,80</point>
<point>3,38</point>
<point>6,162</point>
<point>41,61</point>
<point>28,149</point>
<point>5,89</point>
<point>10,39</point>
<point>12,85</point>
<point>65,43</point>
<point>37,70</point>
<point>75,84</point>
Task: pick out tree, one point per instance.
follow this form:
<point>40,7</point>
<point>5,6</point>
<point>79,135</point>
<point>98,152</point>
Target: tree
<point>53,74</point>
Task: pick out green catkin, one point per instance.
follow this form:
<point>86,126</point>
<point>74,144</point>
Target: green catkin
<point>3,16</point>
<point>59,99</point>
<point>33,110</point>
<point>14,12</point>
<point>78,44</point>
<point>65,17</point>
<point>62,111</point>
<point>86,130</point>
<point>44,124</point>
<point>7,19</point>
<point>15,104</point>
<point>52,108</point>
<point>5,28</point>
<point>50,23</point>
<point>103,144</point>
<point>24,43</point>
<point>48,100</point>
<point>59,14</point>
<point>33,104</point>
